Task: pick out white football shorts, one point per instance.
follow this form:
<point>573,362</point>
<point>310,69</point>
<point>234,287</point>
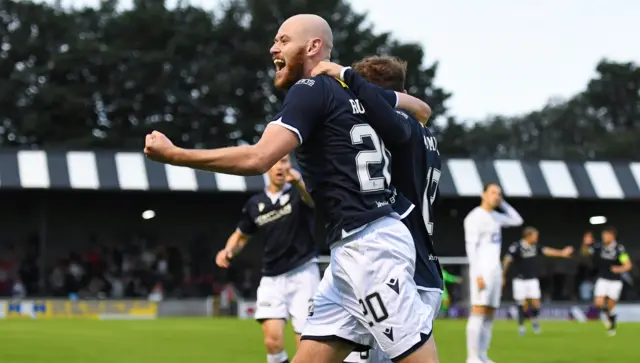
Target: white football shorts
<point>368,294</point>
<point>492,292</point>
<point>525,289</point>
<point>608,288</point>
<point>288,295</point>
<point>431,298</point>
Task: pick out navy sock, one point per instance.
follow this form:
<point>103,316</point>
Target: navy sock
<point>534,313</point>
<point>612,319</point>
<point>520,315</point>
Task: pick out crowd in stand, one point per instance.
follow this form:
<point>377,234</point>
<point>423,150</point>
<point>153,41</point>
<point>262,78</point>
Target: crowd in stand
<point>129,269</point>
<point>134,269</point>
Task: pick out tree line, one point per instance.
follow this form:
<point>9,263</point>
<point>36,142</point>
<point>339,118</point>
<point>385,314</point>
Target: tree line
<point>102,78</point>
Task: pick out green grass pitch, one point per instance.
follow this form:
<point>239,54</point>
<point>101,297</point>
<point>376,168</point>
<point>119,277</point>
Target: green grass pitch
<point>239,341</point>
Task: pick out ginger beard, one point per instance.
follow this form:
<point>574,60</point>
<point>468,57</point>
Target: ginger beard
<point>289,71</point>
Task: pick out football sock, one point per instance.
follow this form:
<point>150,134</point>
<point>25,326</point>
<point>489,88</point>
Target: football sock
<point>520,315</point>
<point>278,357</point>
<point>474,328</point>
<point>485,337</point>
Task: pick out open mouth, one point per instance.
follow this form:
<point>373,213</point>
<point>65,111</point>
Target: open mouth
<point>280,64</point>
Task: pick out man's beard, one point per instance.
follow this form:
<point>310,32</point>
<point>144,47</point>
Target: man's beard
<point>294,71</point>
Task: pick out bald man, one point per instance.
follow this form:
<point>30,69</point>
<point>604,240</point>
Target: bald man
<point>368,294</point>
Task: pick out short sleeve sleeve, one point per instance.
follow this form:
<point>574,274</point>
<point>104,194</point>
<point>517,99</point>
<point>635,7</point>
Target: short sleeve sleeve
<point>246,225</point>
<point>390,97</point>
<point>304,107</point>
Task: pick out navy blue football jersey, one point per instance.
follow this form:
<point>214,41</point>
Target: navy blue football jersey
<point>415,172</point>
<point>342,159</point>
<point>524,257</point>
<point>606,256</point>
<point>284,223</point>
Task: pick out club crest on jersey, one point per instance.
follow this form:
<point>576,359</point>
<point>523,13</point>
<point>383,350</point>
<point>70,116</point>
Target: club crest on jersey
<point>284,199</point>
<point>260,207</point>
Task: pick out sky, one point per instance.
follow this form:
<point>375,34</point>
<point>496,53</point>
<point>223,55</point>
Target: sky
<point>502,56</point>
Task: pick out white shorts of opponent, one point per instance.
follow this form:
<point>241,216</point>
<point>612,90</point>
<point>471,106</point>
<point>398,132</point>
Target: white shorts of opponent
<point>525,289</point>
<point>376,355</point>
<point>492,292</point>
<point>608,288</point>
<point>288,295</point>
<point>368,294</point>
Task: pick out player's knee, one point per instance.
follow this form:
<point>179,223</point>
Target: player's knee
<point>273,340</point>
<point>274,343</point>
<point>599,301</point>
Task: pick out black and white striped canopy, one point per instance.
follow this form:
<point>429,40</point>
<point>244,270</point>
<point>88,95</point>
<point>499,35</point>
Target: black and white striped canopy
<point>107,170</point>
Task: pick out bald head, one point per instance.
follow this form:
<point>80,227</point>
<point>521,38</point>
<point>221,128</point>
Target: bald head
<point>301,43</point>
<point>310,27</point>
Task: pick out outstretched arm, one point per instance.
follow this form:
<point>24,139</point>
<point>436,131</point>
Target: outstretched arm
<point>554,252</point>
<point>303,107</point>
<point>275,143</point>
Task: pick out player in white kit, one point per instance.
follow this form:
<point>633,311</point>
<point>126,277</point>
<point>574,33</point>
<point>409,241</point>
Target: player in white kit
<point>483,238</point>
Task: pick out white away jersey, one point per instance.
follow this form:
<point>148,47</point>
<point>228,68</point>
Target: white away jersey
<point>483,237</point>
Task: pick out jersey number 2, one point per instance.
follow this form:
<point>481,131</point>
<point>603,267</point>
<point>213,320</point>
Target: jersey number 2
<point>433,178</point>
<point>364,158</point>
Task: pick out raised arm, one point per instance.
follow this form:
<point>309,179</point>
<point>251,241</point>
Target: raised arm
<point>275,143</point>
<point>391,126</point>
<point>294,177</point>
<point>420,109</point>
<point>303,106</point>
<point>510,217</point>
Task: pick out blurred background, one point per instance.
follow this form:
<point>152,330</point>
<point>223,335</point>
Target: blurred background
<point>541,97</point>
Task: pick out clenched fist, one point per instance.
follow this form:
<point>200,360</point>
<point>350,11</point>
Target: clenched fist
<point>158,147</point>
<point>223,258</point>
<point>328,68</point>
<point>293,176</point>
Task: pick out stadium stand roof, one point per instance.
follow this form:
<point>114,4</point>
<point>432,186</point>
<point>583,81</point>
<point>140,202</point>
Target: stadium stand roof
<point>110,170</point>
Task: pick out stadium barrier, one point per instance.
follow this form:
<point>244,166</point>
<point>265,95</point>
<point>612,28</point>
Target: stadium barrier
<point>627,313</point>
<point>95,309</point>
<point>107,309</point>
<point>245,309</point>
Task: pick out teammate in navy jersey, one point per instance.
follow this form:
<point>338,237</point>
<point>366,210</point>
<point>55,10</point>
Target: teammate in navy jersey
<point>368,294</point>
<point>416,164</point>
<point>611,262</point>
<point>523,255</point>
<point>282,215</point>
